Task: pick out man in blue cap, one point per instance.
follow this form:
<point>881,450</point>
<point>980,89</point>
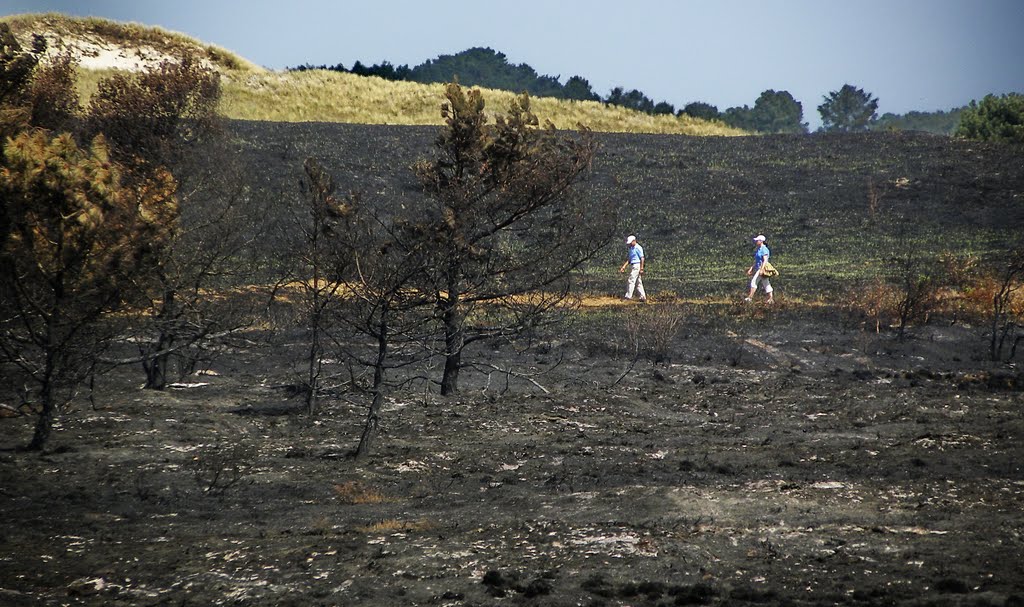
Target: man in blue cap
<point>635,261</point>
<point>761,255</point>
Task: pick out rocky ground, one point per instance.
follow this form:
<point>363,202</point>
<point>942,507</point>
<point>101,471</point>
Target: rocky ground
<point>773,456</point>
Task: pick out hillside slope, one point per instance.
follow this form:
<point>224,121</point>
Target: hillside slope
<point>254,93</point>
<point>696,201</point>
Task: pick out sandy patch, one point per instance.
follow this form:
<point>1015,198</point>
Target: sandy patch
<point>99,55</point>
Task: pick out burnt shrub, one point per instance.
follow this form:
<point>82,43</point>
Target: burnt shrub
<point>538,587</point>
<point>599,585</point>
<point>952,586</point>
<point>752,595</point>
<point>696,594</point>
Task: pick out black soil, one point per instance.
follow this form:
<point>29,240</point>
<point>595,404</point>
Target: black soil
<point>784,455</point>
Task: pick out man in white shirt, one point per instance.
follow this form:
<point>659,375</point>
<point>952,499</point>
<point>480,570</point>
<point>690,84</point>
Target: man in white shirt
<point>635,261</point>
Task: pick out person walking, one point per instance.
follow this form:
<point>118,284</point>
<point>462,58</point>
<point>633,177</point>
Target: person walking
<point>755,271</point>
<point>634,261</point>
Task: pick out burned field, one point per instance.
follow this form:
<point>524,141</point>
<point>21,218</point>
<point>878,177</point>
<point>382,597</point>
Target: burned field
<point>691,451</point>
<point>834,207</point>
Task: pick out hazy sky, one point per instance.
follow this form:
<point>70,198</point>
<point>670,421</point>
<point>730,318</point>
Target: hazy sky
<point>911,54</point>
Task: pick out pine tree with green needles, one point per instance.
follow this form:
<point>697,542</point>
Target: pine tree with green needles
<point>994,119</point>
<point>848,110</point>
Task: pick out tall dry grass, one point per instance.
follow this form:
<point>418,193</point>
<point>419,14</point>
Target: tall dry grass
<point>319,95</point>
<point>253,93</point>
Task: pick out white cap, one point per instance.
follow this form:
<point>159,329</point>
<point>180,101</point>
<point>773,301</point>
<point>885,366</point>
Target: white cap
<point>630,239</point>
<point>759,237</point>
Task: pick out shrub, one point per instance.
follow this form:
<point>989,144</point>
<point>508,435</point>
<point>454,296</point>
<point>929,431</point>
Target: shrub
<point>54,95</point>
<point>874,301</point>
<point>1007,307</point>
<point>654,328</point>
<point>994,119</point>
<point>218,468</point>
<point>917,293</point>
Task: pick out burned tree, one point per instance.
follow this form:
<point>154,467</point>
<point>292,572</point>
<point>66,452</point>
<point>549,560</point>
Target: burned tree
<point>1007,312</point>
<point>17,69</point>
<point>355,278</point>
<point>503,220</point>
<point>383,304</point>
<point>75,240</point>
<point>166,117</point>
<point>315,264</point>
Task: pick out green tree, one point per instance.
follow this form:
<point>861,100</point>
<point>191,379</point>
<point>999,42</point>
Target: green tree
<point>994,119</point>
<point>634,100</point>
<point>486,68</point>
<point>848,110</point>
<point>383,70</point>
<point>740,117</point>
<point>778,112</point>
<point>504,220</point>
<point>938,123</point>
<point>663,108</point>
<point>579,89</point>
<point>699,109</point>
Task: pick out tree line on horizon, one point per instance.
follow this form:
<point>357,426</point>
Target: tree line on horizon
<point>773,111</point>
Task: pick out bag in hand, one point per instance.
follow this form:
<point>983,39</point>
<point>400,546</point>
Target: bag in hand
<point>768,270</point>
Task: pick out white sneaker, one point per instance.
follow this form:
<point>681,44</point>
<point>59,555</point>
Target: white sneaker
<point>747,299</point>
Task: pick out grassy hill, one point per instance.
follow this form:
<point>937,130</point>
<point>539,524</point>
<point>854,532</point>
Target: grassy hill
<point>254,93</point>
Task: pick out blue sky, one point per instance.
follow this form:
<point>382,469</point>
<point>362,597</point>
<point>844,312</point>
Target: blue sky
<point>911,54</point>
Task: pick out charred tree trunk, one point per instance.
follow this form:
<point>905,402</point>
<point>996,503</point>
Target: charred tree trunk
<point>49,411</point>
<point>316,353</point>
<point>373,415</point>
<point>454,341</point>
<point>50,371</point>
<point>157,367</point>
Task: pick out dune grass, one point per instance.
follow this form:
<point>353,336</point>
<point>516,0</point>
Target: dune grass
<point>326,96</point>
<point>254,93</point>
